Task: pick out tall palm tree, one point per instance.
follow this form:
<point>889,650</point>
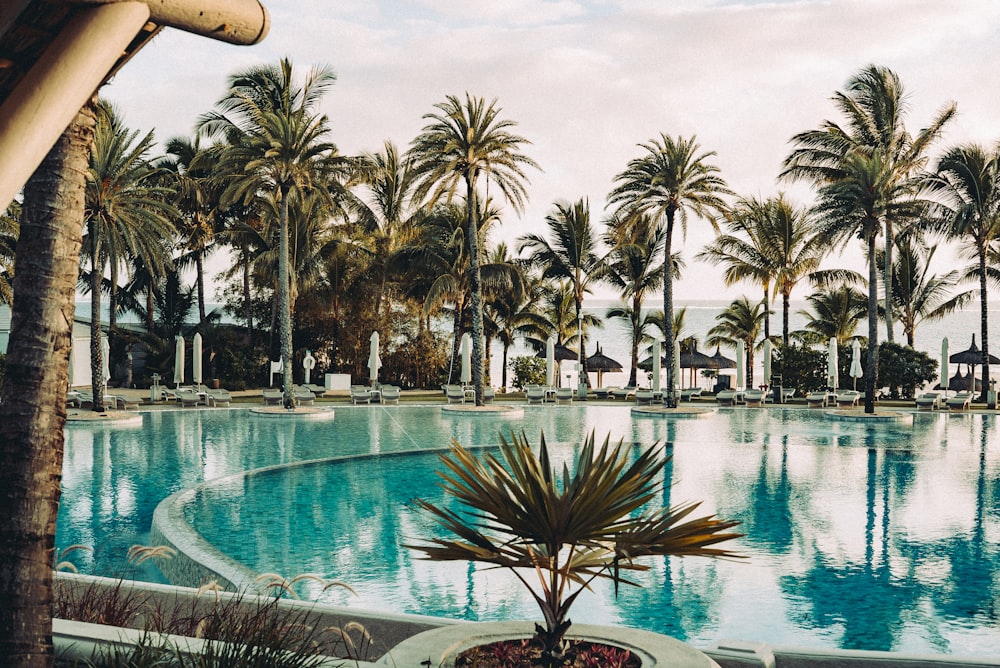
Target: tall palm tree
<point>277,144</point>
<point>920,295</point>
<point>968,182</point>
<point>571,253</point>
<point>127,215</point>
<point>33,412</point>
<point>461,143</point>
<point>874,106</point>
<point>633,268</point>
<point>771,242</point>
<point>671,179</point>
<point>742,321</point>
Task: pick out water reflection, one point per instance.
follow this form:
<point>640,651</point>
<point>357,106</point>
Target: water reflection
<point>858,536</point>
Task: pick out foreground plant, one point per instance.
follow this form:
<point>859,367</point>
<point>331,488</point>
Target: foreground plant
<point>568,530</point>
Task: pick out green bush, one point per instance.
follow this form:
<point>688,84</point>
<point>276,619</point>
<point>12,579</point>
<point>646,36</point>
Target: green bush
<point>527,370</point>
<point>903,369</point>
<point>801,367</point>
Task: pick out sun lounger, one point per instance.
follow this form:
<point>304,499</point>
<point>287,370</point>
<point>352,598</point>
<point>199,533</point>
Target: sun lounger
<point>74,399</point>
<point>564,395</point>
<point>846,398</point>
<point>360,395</point>
<point>787,393</point>
<point>272,397</point>
<point>690,393</point>
<point>960,402</point>
<point>390,394</point>
<point>455,394</point>
<point>625,393</point>
<point>488,394</point>
<point>218,398</point>
<point>302,396</point>
<point>188,398</point>
<point>604,392</point>
<point>929,401</point>
<point>754,398</point>
<point>318,390</point>
<point>729,397</point>
<point>816,399</point>
<point>643,397</point>
<point>535,394</point>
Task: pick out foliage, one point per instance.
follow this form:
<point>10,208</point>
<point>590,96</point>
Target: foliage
<point>526,652</point>
<point>801,367</point>
<point>903,369</point>
<point>570,531</point>
<point>528,370</point>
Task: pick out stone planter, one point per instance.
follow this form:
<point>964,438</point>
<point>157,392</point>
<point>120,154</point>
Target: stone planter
<point>439,647</point>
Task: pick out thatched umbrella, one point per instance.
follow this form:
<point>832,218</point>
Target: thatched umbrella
<point>971,356</point>
<point>723,361</point>
<point>693,359</point>
<point>601,363</point>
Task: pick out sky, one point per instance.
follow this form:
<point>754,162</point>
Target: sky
<point>587,81</point>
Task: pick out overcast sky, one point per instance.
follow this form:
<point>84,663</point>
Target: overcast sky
<point>587,81</point>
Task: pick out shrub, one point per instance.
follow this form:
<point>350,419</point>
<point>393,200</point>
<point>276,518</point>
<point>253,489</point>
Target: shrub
<point>801,367</point>
<point>902,369</point>
<point>527,370</point>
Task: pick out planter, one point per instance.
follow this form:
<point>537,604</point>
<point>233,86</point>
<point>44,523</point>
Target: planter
<point>438,648</point>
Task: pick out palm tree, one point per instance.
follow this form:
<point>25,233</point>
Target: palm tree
<point>33,412</point>
<point>277,145</point>
<point>632,267</point>
<point>874,106</point>
<point>127,216</point>
<point>770,242</point>
<point>835,312</point>
<point>460,144</point>
<point>572,254</point>
<point>742,321</point>
<point>671,179</point>
<point>968,181</point>
<point>920,295</point>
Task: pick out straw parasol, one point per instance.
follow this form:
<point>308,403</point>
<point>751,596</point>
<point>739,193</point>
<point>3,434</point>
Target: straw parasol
<point>602,364</point>
<point>722,361</point>
<point>971,356</point>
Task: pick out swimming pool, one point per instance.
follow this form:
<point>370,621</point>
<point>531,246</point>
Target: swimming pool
<point>859,536</point>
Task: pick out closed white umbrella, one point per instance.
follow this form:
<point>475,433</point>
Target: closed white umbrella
<point>374,361</point>
<point>767,361</point>
<point>550,362</point>
<point>656,366</point>
<point>831,364</point>
<point>196,360</point>
<point>945,373</point>
<point>105,364</point>
<point>178,360</point>
<point>856,370</point>
<point>466,352</point>
<point>740,353</point>
<point>677,369</point>
<point>308,364</point>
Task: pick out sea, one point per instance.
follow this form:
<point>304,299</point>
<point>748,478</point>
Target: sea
<point>959,327</point>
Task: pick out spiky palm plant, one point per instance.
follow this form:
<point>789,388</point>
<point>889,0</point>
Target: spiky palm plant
<point>569,529</point>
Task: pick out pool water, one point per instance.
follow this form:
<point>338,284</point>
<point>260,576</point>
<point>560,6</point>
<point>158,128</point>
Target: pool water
<point>881,537</point>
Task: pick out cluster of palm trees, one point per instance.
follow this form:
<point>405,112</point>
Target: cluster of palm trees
<point>397,235</point>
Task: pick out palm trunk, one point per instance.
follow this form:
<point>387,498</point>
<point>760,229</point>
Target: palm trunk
<point>871,362</point>
<point>668,309</point>
<point>247,303</point>
<point>984,329</point>
<point>284,304</point>
<point>33,413</point>
<point>767,312</point>
<point>786,309</point>
<point>475,286</point>
<point>199,265</point>
<point>503,372</point>
<point>887,281</point>
<point>96,354</point>
<point>636,335</point>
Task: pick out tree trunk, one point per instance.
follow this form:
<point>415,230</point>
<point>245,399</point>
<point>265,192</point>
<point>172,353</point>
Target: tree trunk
<point>668,309</point>
<point>33,413</point>
<point>284,304</point>
<point>96,354</point>
<point>199,264</point>
<point>887,280</point>
<point>767,312</point>
<point>786,308</point>
<point>636,335</point>
<point>984,329</point>
<point>871,363</point>
<point>476,287</point>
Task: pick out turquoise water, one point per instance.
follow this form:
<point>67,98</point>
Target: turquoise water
<point>860,537</point>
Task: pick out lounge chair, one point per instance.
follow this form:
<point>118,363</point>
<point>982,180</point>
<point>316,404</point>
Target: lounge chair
<point>390,394</point>
<point>787,393</point>
<point>302,396</point>
<point>318,390</point>
<point>455,394</point>
<point>564,395</point>
<point>74,399</point>
<point>218,398</point>
<point>535,394</point>
<point>754,398</point>
<point>816,399</point>
<point>488,394</point>
<point>188,398</point>
<point>625,393</point>
<point>690,393</point>
<point>962,401</point>
<point>643,396</point>
<point>729,397</point>
<point>604,392</point>
<point>929,401</point>
<point>360,395</point>
<point>846,398</point>
<point>272,397</point>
